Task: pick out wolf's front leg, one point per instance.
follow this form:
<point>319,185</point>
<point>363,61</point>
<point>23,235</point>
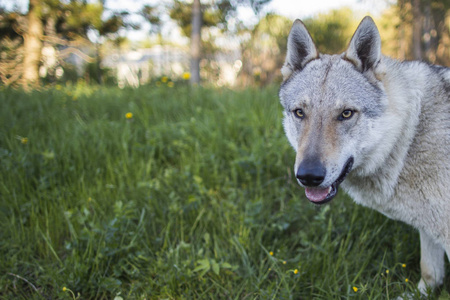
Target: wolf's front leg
<point>431,263</point>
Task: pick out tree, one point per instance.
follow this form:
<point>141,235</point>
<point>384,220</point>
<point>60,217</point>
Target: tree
<point>82,17</point>
<point>418,29</point>
<point>11,46</point>
<point>32,46</point>
<point>151,15</point>
<point>61,25</point>
<point>201,15</point>
<point>331,31</point>
<point>196,42</point>
<point>263,54</point>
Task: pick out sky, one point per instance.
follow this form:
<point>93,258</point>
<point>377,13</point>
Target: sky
<point>292,9</point>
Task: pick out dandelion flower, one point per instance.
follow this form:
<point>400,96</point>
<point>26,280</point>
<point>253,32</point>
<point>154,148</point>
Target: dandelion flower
<point>186,75</point>
<point>387,271</point>
<point>404,265</point>
<point>406,280</point>
<point>164,79</point>
<point>24,140</point>
<point>284,262</point>
<point>271,253</point>
<point>129,115</point>
<point>170,84</point>
<point>355,289</point>
<point>64,289</point>
<point>296,271</point>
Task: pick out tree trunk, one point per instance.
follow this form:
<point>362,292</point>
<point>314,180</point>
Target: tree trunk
<point>429,37</point>
<point>196,40</point>
<point>32,46</point>
<point>417,30</point>
<point>98,63</point>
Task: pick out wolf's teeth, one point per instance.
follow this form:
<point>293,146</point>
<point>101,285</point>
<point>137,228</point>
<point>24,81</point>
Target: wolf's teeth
<point>329,189</point>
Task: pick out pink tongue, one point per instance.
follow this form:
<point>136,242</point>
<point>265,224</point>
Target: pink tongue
<point>317,194</point>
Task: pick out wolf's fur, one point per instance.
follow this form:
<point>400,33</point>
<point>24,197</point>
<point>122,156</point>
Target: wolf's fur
<point>398,136</point>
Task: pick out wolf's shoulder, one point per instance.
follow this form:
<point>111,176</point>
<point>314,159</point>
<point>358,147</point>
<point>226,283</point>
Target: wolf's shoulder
<point>441,70</point>
<point>434,80</point>
<point>443,73</point>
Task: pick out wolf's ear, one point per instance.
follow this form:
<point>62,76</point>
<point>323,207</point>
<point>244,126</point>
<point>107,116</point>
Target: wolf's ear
<point>364,50</point>
<point>300,49</point>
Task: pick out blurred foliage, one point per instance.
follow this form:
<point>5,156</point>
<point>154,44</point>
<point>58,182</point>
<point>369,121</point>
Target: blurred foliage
<point>432,18</point>
<point>66,26</point>
<point>77,17</point>
<point>9,22</point>
<point>262,47</point>
<point>92,74</point>
<point>263,54</point>
<point>11,46</point>
<point>214,13</point>
<point>151,15</point>
<point>332,31</point>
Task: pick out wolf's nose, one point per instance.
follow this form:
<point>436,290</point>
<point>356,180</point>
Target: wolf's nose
<point>311,173</point>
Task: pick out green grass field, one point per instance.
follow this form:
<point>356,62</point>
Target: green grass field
<point>192,197</point>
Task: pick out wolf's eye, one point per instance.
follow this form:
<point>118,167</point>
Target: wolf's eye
<point>346,114</point>
<point>299,113</point>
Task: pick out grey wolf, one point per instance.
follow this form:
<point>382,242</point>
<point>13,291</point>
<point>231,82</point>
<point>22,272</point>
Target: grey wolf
<point>377,127</point>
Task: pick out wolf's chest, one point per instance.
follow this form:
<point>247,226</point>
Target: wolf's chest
<point>374,196</point>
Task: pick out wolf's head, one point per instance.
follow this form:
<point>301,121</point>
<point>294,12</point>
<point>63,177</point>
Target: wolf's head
<point>332,107</point>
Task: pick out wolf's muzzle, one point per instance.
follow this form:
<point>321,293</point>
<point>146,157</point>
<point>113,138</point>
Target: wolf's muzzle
<point>311,172</point>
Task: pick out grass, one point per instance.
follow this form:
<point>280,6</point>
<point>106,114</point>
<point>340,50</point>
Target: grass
<point>190,198</point>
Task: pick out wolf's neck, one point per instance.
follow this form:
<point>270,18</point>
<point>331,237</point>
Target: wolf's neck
<point>377,181</point>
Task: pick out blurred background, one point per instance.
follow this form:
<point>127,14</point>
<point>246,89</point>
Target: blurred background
<point>216,42</point>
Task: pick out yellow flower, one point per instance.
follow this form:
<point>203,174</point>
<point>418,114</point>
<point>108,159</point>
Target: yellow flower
<point>284,262</point>
<point>24,140</point>
<point>64,289</point>
<point>387,271</point>
<point>271,253</point>
<point>296,271</point>
<point>406,280</point>
<point>186,75</point>
<point>355,289</point>
<point>129,115</point>
<point>170,84</point>
<point>164,79</point>
<point>404,265</point>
